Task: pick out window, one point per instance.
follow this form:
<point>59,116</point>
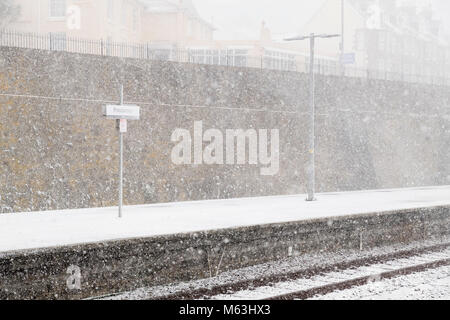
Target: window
<point>231,57</point>
<point>110,9</point>
<point>198,56</point>
<point>238,57</point>
<point>189,28</point>
<point>109,45</point>
<point>58,41</point>
<point>161,54</point>
<point>124,14</point>
<point>223,57</point>
<point>360,40</point>
<point>135,19</point>
<point>57,8</point>
<point>381,41</point>
<point>279,60</point>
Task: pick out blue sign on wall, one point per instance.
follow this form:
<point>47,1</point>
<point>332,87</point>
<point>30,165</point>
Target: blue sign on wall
<point>348,58</point>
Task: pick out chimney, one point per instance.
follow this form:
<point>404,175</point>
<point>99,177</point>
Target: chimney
<point>265,34</point>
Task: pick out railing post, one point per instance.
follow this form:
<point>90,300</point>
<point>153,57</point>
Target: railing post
<point>101,41</point>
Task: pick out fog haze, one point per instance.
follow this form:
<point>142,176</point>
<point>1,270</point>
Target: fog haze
<point>237,19</point>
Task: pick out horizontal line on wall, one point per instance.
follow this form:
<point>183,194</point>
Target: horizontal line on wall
<point>145,103</point>
<point>373,112</point>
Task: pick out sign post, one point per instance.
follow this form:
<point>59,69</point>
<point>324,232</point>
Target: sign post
<point>121,113</point>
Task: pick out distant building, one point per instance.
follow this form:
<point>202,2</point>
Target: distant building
<point>259,53</point>
<point>174,22</point>
<point>391,38</point>
<point>386,36</point>
<point>114,20</point>
<point>168,27</point>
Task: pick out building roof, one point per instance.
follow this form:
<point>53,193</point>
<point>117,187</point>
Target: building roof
<point>173,6</point>
<point>159,6</point>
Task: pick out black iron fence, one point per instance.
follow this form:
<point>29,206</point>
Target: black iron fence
<point>228,57</point>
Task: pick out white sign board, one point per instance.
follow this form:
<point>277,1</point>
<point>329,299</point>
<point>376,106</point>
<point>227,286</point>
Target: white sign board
<point>117,112</point>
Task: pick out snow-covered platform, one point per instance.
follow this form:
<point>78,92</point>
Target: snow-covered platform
<point>42,252</point>
<point>69,227</point>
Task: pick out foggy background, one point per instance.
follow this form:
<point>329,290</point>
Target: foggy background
<point>241,19</point>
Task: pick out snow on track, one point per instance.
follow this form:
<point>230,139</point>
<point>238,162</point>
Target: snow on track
<point>56,228</point>
<point>306,264</point>
<point>432,284</point>
<point>374,271</point>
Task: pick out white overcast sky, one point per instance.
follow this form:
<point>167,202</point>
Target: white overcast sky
<point>241,19</point>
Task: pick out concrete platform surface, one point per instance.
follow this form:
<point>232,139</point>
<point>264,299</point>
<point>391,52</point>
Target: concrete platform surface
<point>69,227</point>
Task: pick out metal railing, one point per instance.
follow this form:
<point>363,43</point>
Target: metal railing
<point>230,58</point>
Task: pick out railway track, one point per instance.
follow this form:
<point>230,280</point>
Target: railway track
<point>322,284</point>
<point>304,276</point>
<point>315,281</point>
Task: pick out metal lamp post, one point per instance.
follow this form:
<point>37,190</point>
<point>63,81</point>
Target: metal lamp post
<point>342,37</point>
<point>311,136</point>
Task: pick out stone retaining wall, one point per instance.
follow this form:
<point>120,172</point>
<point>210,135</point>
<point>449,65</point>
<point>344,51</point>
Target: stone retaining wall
<point>57,152</point>
<point>117,266</point>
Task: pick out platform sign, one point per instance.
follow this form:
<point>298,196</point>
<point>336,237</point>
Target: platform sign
<point>348,58</point>
<point>121,113</point>
<point>118,112</point>
<point>123,125</point>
